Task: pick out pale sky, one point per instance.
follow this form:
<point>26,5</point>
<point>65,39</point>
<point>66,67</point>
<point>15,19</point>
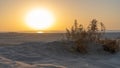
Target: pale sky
<point>12,13</point>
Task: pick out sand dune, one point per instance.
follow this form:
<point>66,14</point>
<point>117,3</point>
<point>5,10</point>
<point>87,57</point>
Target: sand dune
<point>55,54</point>
<point>7,63</point>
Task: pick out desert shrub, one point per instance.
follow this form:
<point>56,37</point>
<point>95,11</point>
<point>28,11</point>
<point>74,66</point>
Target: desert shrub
<point>110,45</point>
<point>80,47</point>
<point>81,36</point>
<point>95,30</point>
<point>78,35</point>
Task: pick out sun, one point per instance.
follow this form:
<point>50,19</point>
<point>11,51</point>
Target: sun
<point>39,19</point>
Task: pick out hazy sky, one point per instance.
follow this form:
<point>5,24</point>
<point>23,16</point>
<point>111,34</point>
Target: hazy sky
<point>12,13</point>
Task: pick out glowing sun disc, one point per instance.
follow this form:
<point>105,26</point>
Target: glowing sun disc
<point>39,19</point>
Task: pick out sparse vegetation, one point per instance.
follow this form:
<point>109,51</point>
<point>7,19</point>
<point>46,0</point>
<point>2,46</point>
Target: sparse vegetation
<point>111,46</point>
<point>81,36</point>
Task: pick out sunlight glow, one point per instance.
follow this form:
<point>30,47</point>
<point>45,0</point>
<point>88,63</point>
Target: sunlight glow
<point>40,32</point>
<point>39,19</point>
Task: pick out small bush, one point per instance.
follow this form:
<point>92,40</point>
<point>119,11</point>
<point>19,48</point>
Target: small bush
<point>81,36</point>
<point>80,47</point>
<point>111,46</point>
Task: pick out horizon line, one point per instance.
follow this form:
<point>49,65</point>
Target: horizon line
<point>50,31</point>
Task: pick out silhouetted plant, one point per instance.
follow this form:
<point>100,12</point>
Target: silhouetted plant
<point>95,31</point>
<point>77,35</point>
<point>102,31</point>
<point>111,46</point>
<point>80,36</point>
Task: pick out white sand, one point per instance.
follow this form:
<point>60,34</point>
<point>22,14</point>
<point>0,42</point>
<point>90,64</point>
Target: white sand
<point>38,51</point>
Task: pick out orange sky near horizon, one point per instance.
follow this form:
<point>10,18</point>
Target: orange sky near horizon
<point>12,13</point>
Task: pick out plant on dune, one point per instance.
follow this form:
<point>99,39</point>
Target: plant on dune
<point>77,34</point>
<point>93,34</point>
<point>81,36</point>
<point>111,46</point>
<point>95,30</point>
